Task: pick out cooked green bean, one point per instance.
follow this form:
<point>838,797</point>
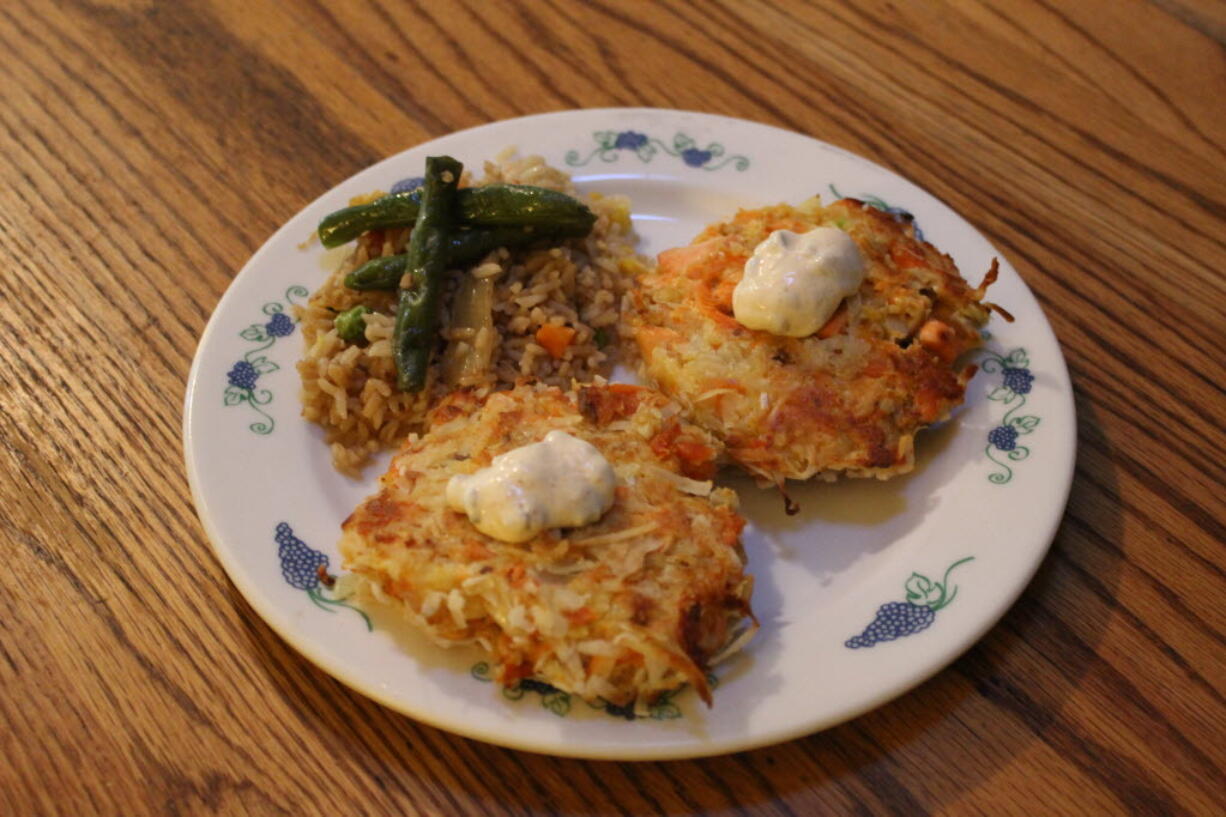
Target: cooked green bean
<point>519,205</point>
<point>464,248</point>
<point>493,205</point>
<point>413,336</point>
<point>351,324</point>
<point>396,210</point>
<point>378,274</point>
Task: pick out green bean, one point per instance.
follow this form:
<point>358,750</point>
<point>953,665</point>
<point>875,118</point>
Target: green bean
<point>396,210</point>
<point>493,205</point>
<point>417,314</point>
<point>379,274</point>
<point>464,248</point>
<point>351,324</point>
<point>519,205</point>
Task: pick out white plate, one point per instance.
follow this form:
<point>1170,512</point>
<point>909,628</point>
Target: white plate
<point>257,468</point>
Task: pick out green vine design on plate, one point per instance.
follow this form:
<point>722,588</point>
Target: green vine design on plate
<point>611,144</point>
<point>1016,383</point>
<point>896,619</point>
<point>306,569</point>
<point>559,702</point>
<point>244,375</point>
<point>552,698</point>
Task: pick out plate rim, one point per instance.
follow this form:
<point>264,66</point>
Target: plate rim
<point>948,650</point>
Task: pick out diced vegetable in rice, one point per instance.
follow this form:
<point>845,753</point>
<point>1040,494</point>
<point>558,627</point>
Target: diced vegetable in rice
<point>491,318</point>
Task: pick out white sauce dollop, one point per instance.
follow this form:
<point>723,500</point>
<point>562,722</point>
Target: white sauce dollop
<point>794,282</point>
<point>561,482</point>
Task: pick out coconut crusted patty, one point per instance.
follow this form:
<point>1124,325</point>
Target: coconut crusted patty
<point>848,398</point>
<point>633,605</point>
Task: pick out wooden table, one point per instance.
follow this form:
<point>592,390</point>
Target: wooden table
<point>147,149</point>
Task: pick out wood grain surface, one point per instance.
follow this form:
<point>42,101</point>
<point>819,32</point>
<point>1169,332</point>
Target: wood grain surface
<point>147,149</point>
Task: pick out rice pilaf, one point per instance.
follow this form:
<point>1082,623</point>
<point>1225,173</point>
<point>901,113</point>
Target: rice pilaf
<point>575,286</point>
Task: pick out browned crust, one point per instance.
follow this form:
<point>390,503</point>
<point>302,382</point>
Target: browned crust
<point>849,398</point>
<point>677,604</point>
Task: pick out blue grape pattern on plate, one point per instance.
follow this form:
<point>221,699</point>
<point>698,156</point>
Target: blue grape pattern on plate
<point>898,619</point>
<point>305,568</point>
<point>242,381</point>
<point>611,144</point>
<point>409,184</point>
<point>1016,383</point>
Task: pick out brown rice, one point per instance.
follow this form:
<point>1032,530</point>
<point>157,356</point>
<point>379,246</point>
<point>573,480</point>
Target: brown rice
<point>349,389</point>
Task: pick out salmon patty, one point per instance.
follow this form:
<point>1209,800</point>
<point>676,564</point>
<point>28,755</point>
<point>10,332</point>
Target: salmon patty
<point>626,608</point>
<point>848,398</point>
